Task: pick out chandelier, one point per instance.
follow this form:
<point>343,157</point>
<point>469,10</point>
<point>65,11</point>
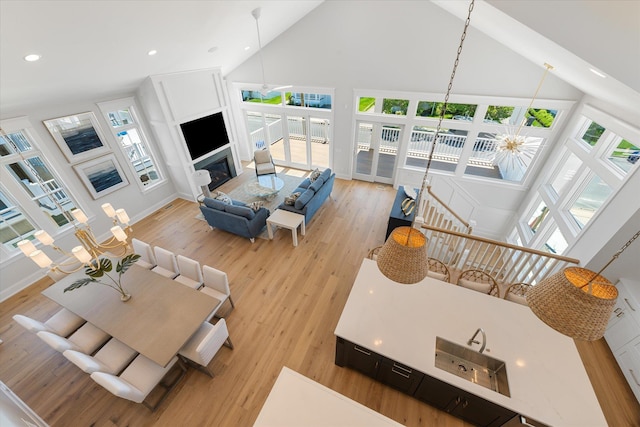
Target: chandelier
<point>89,250</point>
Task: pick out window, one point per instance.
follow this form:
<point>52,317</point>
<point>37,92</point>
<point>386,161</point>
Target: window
<point>538,217</point>
<point>32,195</point>
<point>14,224</point>
<point>556,243</point>
<point>126,128</point>
<point>313,100</point>
<point>590,200</point>
<point>454,111</point>
<point>366,104</point>
<point>566,173</point>
<point>395,106</point>
<point>514,116</point>
<point>592,134</point>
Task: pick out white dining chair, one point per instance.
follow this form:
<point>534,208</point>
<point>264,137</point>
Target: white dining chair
<point>147,259</point>
<point>190,272</point>
<point>139,379</point>
<point>63,323</point>
<point>167,265</point>
<point>479,281</point>
<point>216,284</point>
<point>205,343</point>
<point>112,358</point>
<point>86,339</point>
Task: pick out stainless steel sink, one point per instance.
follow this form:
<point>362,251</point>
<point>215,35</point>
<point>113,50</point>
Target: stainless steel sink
<point>476,367</point>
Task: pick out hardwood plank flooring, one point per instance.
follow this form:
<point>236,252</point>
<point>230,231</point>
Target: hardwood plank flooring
<point>288,302</point>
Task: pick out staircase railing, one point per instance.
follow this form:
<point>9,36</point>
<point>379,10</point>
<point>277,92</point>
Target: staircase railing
<point>437,213</point>
<point>505,262</point>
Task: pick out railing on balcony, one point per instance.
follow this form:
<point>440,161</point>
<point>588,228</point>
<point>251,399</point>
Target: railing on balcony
<point>318,131</point>
<point>437,213</point>
<point>505,262</point>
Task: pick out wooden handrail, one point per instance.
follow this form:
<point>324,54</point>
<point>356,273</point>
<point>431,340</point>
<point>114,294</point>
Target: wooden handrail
<point>503,244</point>
<point>458,217</point>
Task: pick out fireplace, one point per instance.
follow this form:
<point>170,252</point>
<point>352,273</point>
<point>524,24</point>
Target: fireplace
<point>220,167</point>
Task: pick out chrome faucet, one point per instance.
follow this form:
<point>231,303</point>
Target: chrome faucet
<point>484,340</point>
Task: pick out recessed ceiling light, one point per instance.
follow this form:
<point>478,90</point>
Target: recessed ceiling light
<point>32,57</point>
<point>152,52</point>
<point>247,47</point>
<point>597,73</point>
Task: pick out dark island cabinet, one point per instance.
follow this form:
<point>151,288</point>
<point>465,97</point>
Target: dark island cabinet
<point>439,394</point>
<point>462,404</point>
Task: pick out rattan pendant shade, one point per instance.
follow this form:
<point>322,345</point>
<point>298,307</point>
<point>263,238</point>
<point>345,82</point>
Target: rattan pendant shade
<point>563,301</point>
<point>403,257</point>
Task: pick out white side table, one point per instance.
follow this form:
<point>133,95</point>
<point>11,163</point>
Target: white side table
<point>286,219</point>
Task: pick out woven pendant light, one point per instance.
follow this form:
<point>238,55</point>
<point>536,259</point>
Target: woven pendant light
<point>403,257</point>
<point>564,302</point>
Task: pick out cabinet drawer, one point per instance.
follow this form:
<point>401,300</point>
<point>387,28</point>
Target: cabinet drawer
<point>628,358</point>
<point>357,357</point>
<point>399,376</point>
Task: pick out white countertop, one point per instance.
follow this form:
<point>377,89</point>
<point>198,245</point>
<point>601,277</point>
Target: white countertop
<point>547,379</point>
<point>296,401</point>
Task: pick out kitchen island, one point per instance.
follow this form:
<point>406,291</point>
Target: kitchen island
<point>400,323</point>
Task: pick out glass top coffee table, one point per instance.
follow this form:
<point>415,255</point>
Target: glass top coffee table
<point>265,186</point>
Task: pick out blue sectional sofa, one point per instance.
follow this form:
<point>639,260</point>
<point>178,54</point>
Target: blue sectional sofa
<point>312,195</point>
<point>236,218</point>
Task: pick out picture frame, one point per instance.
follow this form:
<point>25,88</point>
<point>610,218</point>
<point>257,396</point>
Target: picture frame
<point>79,136</point>
<point>102,175</point>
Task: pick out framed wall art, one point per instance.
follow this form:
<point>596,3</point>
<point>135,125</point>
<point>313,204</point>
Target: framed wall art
<point>102,176</point>
<point>79,136</point>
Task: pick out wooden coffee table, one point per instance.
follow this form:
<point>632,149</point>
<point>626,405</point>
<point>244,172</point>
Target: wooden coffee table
<point>286,219</point>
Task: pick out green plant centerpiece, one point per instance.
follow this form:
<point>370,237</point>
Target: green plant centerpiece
<point>100,268</point>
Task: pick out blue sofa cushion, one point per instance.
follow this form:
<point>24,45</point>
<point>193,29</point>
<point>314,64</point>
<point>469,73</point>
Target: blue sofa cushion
<point>291,199</point>
<point>315,185</point>
<point>240,211</point>
<point>305,183</point>
<point>214,204</point>
<point>304,198</point>
<point>325,174</point>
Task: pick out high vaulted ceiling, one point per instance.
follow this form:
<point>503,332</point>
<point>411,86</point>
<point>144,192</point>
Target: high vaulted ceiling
<point>97,49</point>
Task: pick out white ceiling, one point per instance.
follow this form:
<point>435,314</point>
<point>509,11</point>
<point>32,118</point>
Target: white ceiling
<point>96,49</point>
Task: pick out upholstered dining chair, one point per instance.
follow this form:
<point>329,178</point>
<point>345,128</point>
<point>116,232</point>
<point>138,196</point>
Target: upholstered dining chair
<point>167,264</point>
<point>147,259</point>
<point>517,293</point>
<point>139,379</point>
<point>63,323</point>
<point>216,284</point>
<point>373,253</point>
<point>438,270</point>
<point>87,339</point>
<point>264,162</point>
<point>205,343</point>
<point>480,281</point>
<point>112,358</point>
<point>190,272</point>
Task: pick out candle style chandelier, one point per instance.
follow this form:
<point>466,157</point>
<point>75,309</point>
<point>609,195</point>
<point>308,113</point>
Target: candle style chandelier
<point>89,250</point>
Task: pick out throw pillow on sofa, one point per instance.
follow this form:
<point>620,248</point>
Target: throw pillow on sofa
<point>240,211</point>
<point>255,206</point>
<point>224,198</point>
<point>304,198</point>
<point>291,200</point>
<point>314,175</point>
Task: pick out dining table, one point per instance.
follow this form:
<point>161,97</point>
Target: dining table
<point>156,321</point>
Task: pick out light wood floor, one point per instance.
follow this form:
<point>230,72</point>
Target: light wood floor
<point>288,301</point>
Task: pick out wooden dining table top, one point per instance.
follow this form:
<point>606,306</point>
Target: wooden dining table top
<point>156,322</point>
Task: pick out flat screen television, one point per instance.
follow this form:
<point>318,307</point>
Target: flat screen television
<point>204,135</point>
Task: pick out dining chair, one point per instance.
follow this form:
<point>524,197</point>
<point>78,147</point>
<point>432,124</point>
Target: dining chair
<point>147,259</point>
<point>373,253</point>
<point>139,379</point>
<point>190,272</point>
<point>216,284</point>
<point>167,265</point>
<point>205,343</point>
<point>264,162</point>
<point>112,358</point>
<point>87,339</point>
<point>63,323</point>
<point>517,293</point>
<point>480,281</point>
<point>438,270</point>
